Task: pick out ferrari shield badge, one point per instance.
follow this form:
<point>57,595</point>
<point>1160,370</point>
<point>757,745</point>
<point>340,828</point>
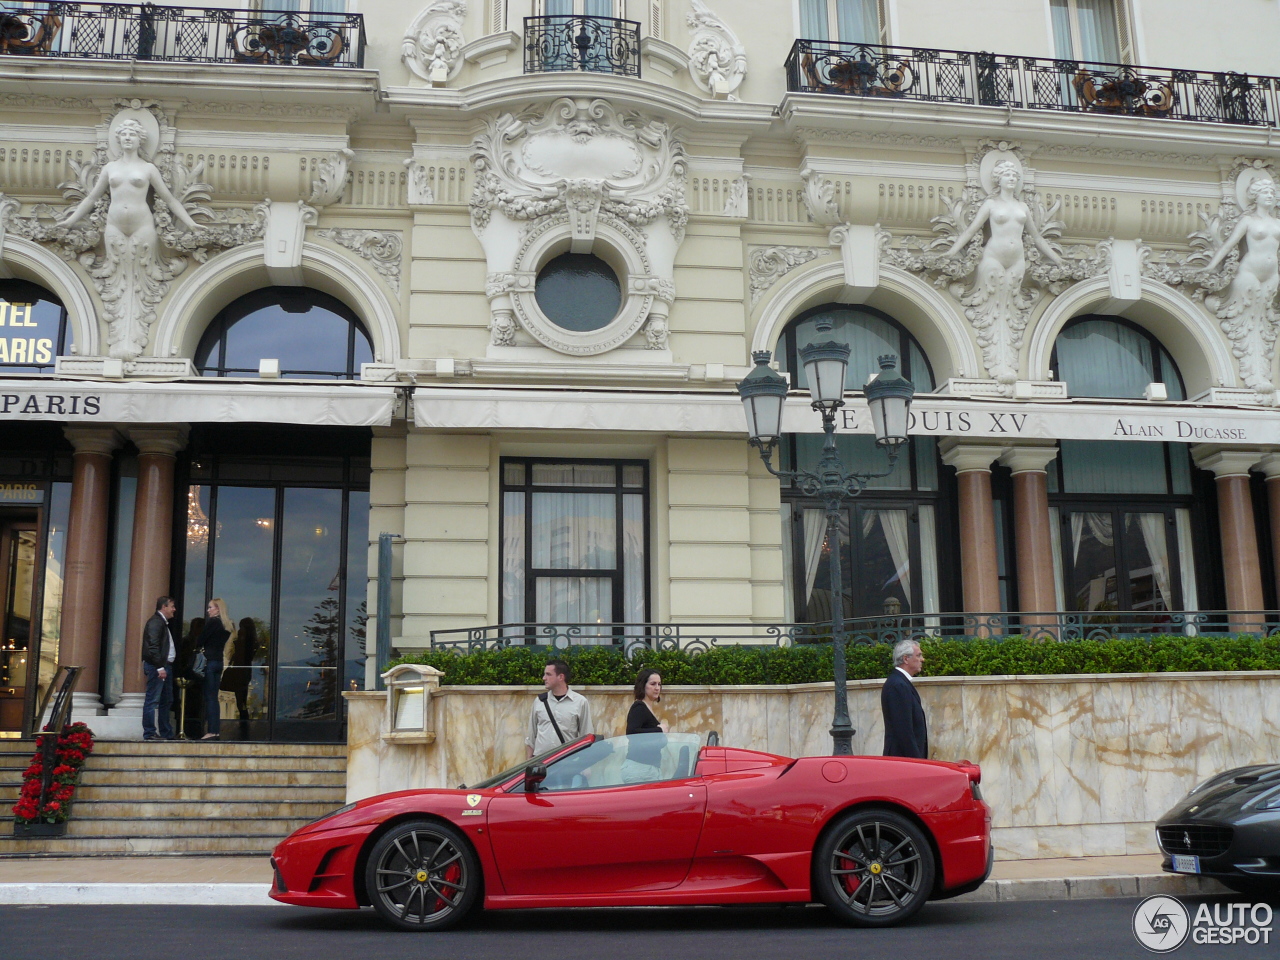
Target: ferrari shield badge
<point>473,799</point>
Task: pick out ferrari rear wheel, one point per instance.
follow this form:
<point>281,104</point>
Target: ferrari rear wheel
<point>874,868</point>
<point>422,875</point>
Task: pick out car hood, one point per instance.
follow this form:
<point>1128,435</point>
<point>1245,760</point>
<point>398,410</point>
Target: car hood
<point>1228,794</point>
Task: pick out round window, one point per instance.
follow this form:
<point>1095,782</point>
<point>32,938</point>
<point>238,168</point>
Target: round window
<point>580,292</point>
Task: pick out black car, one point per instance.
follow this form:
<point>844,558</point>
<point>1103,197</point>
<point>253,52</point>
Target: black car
<point>1228,828</point>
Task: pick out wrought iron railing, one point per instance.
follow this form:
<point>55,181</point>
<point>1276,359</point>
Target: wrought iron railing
<point>592,44</point>
<point>988,79</point>
<point>1055,625</point>
<point>112,31</point>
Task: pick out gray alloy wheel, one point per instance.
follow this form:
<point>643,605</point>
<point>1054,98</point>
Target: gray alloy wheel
<point>422,875</point>
<point>874,868</point>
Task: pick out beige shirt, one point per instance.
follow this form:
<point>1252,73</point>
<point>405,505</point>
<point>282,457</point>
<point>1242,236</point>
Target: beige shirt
<point>573,714</point>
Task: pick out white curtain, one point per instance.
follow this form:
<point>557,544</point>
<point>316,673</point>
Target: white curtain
<point>576,600</point>
<point>1153,534</point>
<point>928,564</point>
<point>813,20</point>
<point>1101,358</point>
<point>574,531</point>
<point>1055,541</point>
<point>1098,30</point>
<point>788,563</point>
<point>513,558</point>
<point>633,558</point>
<point>894,525</point>
<point>1063,49</point>
<point>815,532</point>
<point>598,8</point>
<point>1099,529</point>
<point>328,6</point>
<point>858,21</point>
<point>1186,560</point>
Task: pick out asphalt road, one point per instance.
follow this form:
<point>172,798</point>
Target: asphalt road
<point>1059,929</point>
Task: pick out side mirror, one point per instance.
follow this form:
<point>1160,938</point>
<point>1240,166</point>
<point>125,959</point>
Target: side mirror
<point>534,775</point>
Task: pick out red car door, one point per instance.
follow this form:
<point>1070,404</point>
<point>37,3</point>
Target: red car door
<point>622,839</point>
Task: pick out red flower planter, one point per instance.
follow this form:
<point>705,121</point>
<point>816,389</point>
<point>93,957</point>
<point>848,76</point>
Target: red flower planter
<point>43,811</point>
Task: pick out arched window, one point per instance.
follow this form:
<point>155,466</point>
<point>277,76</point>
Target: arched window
<point>33,328</point>
<point>1124,508</point>
<point>312,334</point>
<point>889,535</point>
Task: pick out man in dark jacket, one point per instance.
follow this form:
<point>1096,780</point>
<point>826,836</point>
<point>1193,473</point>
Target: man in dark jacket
<point>905,731</point>
<point>158,653</point>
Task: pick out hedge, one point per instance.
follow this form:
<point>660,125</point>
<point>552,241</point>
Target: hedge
<point>813,663</point>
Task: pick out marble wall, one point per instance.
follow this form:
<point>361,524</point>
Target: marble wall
<point>1072,766</point>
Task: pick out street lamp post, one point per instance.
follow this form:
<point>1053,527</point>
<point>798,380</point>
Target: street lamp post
<point>763,394</point>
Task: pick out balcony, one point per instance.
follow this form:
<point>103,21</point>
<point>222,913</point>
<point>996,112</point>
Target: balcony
<point>589,44</point>
<point>988,79</point>
<point>108,31</point>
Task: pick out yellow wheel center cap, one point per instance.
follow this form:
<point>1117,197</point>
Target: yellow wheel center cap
<point>875,868</point>
<point>422,876</point>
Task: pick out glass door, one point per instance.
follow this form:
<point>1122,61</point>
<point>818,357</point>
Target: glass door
<point>1120,559</point>
<point>18,551</point>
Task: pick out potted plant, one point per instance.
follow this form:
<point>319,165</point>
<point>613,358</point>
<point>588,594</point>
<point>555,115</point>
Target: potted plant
<point>44,802</point>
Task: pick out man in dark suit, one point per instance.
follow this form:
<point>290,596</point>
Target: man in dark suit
<point>905,731</point>
<point>158,653</point>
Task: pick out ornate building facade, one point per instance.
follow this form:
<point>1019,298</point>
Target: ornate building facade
<point>483,275</point>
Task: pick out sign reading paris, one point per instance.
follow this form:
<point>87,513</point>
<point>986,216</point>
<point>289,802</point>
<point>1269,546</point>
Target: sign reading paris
<point>26,338</point>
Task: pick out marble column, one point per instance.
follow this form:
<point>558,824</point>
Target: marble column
<point>1241,569</point>
<point>1270,467</point>
<point>85,573</point>
<point>149,575</point>
<point>1033,533</point>
<point>979,571</point>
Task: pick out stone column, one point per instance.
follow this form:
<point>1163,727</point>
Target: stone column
<point>149,575</point>
<point>1240,566</point>
<point>1270,466</point>
<point>85,573</point>
<point>980,574</point>
<point>1033,534</point>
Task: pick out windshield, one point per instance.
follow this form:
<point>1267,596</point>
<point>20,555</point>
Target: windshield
<point>499,778</point>
<point>622,761</point>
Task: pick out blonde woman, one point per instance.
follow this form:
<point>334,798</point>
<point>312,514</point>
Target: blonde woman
<point>213,640</point>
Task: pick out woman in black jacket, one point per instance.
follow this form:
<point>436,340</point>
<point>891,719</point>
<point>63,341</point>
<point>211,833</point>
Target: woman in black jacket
<point>644,753</point>
<point>213,640</point>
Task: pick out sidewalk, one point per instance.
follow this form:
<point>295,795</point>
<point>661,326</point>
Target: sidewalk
<point>243,881</point>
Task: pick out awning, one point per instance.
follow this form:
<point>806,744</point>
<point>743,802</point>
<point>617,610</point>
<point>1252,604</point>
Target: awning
<point>689,412</point>
<point>197,401</point>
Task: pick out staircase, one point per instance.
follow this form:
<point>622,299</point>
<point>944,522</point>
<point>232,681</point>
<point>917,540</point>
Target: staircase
<point>182,797</point>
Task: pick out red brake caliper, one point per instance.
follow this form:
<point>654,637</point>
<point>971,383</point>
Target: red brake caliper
<point>452,874</point>
<point>850,881</point>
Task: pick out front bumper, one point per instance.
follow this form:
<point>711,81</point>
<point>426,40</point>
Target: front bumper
<point>1253,851</point>
<point>319,869</point>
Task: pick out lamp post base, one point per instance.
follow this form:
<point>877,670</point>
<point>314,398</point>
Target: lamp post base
<point>842,741</point>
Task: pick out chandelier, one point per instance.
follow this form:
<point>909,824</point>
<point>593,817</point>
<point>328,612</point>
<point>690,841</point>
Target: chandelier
<point>197,520</point>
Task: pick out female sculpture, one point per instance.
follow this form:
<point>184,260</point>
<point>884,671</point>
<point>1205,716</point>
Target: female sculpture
<point>131,265</point>
<point>996,305</point>
<point>1247,311</point>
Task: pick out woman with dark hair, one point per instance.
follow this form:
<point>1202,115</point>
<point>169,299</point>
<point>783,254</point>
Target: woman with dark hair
<point>644,750</point>
<point>236,678</point>
<point>213,639</point>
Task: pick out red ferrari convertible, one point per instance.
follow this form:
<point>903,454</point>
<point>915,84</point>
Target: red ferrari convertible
<point>649,820</point>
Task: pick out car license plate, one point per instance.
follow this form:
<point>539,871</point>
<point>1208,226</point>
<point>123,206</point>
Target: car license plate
<point>1186,864</point>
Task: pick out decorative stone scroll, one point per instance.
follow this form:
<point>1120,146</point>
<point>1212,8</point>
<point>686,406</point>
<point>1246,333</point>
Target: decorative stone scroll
<point>1000,234</point>
<point>131,250</point>
<point>767,265</point>
<point>384,249</point>
<point>433,43</point>
<point>717,59</point>
<point>331,179</point>
<point>580,175</point>
<point>1234,269</point>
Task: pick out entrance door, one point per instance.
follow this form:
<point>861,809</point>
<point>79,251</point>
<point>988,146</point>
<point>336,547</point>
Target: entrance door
<point>1121,558</point>
<point>18,540</point>
<point>291,564</point>
<point>876,542</point>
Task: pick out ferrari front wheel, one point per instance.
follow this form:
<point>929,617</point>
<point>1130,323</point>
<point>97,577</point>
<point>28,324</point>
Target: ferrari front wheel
<point>422,875</point>
<point>874,868</point>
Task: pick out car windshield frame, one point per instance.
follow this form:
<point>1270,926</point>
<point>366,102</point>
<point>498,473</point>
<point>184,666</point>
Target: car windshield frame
<point>500,779</point>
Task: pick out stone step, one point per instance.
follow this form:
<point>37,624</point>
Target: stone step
<point>213,777</point>
<point>216,748</point>
<point>278,827</point>
<point>142,793</point>
<point>199,809</point>
<point>199,845</point>
<point>195,761</point>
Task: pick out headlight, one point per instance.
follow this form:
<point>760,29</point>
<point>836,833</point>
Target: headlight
<point>347,808</point>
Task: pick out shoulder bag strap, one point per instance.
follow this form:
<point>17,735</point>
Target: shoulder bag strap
<point>546,703</point>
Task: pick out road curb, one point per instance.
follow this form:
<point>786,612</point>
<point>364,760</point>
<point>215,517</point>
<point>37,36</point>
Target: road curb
<point>1093,888</point>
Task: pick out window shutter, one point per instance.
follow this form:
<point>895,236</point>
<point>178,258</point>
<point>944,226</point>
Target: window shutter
<point>1124,32</point>
<point>655,19</point>
<point>497,16</point>
<point>882,12</point>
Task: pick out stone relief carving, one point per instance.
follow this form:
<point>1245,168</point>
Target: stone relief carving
<point>717,59</point>
<point>820,199</point>
<point>332,179</point>
<point>737,203</point>
<point>384,249</point>
<point>434,41</point>
<point>1000,234</point>
<point>1235,270</point>
<point>420,191</point>
<point>584,171</point>
<point>131,250</point>
<point>767,265</point>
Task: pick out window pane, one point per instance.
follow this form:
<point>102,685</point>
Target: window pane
<point>633,551</point>
<point>1186,558</point>
<point>883,563</point>
<point>513,474</point>
<point>813,20</point>
<point>921,378</point>
<point>633,476</point>
<point>858,21</point>
<point>357,598</point>
<point>513,557</point>
<point>1180,467</point>
<point>31,328</point>
<point>1063,48</point>
<point>54,565</point>
<point>115,624</point>
<point>868,338</point>
<point>575,475</point>
<point>1093,562</point>
<point>1102,358</point>
<point>859,452</point>
<point>926,454</point>
<point>1147,556</point>
<point>574,531</point>
<point>1098,30</point>
<point>1112,466</point>
<point>578,291</point>
<point>788,561</point>
<point>575,600</point>
<point>929,602</point>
